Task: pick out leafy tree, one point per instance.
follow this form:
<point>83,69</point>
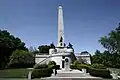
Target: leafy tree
<point>107,59</point>
<point>97,58</point>
<point>8,43</point>
<point>97,52</point>
<point>21,59</point>
<point>112,41</point>
<point>111,57</point>
<point>44,49</point>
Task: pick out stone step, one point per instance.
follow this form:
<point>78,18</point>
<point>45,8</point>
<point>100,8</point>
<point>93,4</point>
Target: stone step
<point>72,75</point>
<point>72,78</point>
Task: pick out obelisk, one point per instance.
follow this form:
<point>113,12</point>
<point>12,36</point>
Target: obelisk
<point>60,27</point>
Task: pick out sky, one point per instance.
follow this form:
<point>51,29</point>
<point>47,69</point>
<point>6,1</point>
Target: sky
<point>85,21</point>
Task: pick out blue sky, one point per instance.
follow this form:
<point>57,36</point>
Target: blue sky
<point>85,21</point>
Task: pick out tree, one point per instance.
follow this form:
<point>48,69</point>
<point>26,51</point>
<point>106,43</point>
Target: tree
<point>97,58</point>
<point>112,41</point>
<point>97,52</point>
<point>110,57</point>
<point>107,59</point>
<point>21,59</point>
<point>44,49</point>
<point>8,43</point>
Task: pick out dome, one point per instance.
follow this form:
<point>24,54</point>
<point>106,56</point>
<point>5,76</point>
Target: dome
<point>84,53</point>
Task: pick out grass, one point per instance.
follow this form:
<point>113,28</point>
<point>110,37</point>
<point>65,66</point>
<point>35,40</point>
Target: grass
<point>14,73</point>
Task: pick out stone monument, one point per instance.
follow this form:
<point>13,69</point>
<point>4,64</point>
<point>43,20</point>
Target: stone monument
<point>62,55</point>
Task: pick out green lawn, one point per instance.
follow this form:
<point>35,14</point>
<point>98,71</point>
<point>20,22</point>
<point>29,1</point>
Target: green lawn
<point>14,73</point>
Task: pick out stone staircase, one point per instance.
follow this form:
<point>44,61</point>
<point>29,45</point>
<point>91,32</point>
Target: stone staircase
<point>72,73</point>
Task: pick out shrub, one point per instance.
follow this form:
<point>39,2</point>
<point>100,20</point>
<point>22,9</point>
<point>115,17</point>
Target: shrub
<point>38,73</point>
<point>21,59</point>
<point>57,67</point>
<point>73,66</point>
<point>84,66</point>
<point>54,66</point>
<point>52,63</point>
<point>98,66</point>
<point>78,67</point>
<point>77,62</point>
<point>41,66</point>
<point>99,73</point>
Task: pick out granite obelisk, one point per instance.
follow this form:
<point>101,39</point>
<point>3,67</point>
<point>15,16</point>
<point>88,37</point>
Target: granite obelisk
<point>60,27</point>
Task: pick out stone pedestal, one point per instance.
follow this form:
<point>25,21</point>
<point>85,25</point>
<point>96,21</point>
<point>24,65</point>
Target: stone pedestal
<point>84,70</point>
<point>67,64</point>
<point>30,73</point>
<point>114,76</point>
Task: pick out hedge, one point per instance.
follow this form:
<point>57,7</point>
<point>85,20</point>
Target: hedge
<point>38,73</point>
<point>104,73</point>
<point>14,73</point>
<point>52,63</point>
<point>56,67</point>
<point>79,66</point>
<point>19,65</point>
<point>99,73</point>
<point>98,66</point>
<point>73,66</point>
<point>40,66</point>
<point>44,70</point>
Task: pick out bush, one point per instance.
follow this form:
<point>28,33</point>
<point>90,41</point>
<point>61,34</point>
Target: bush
<point>99,73</point>
<point>14,73</point>
<point>17,66</point>
<point>57,67</point>
<point>73,66</point>
<point>79,67</point>
<point>76,66</point>
<point>21,59</point>
<point>52,63</point>
<point>54,66</point>
<point>41,66</point>
<point>77,62</point>
<point>98,66</point>
<point>38,73</point>
<point>85,66</point>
